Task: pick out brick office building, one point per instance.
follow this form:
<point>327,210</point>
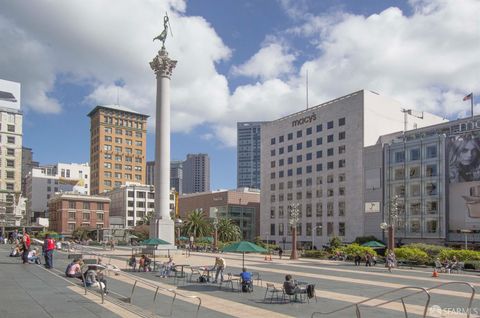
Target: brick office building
<point>69,211</point>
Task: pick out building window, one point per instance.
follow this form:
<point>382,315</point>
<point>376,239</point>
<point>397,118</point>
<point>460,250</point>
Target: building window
<point>319,180</point>
<point>319,210</point>
<point>341,191</point>
<point>308,229</point>
<point>308,156</point>
<point>272,175</point>
<point>290,160</point>
<point>138,177</point>
<point>290,136</point>
<point>272,141</point>
<point>431,170</point>
<point>431,188</point>
<point>108,130</point>
<point>341,121</point>
<point>108,138</point>
<point>341,149</point>
<point>71,204</point>
<point>107,174</point>
<point>341,229</point>
<point>71,216</point>
<point>431,151</point>
<point>341,177</point>
<point>118,166</point>
<point>118,158</point>
<point>71,227</point>
<point>272,152</point>
<point>10,163</point>
<point>281,162</point>
<point>319,154</point>
<point>330,228</point>
<point>281,150</point>
<point>107,183</point>
<point>399,174</point>
<point>10,174</point>
<point>341,163</point>
<point>299,134</point>
<point>289,148</point>
<point>107,156</point>
<point>118,175</point>
<point>415,172</point>
<point>319,128</point>
<point>414,154</point>
<point>86,217</point>
<point>329,208</point>
<point>341,135</point>
<point>289,172</point>
<point>272,213</point>
<point>341,208</point>
<point>299,183</point>
<point>280,139</point>
<point>299,146</point>
<point>281,174</point>
<point>309,144</point>
<point>299,158</point>
<point>330,152</point>
<point>107,147</point>
<point>309,131</point>
<point>319,141</point>
<point>330,138</point>
<point>10,152</point>
<point>330,165</point>
<point>10,140</point>
<point>138,143</point>
<point>329,192</point>
<point>415,226</point>
<point>299,171</point>
<point>319,167</point>
<point>432,226</point>
<point>281,229</point>
<point>118,149</point>
<point>399,156</point>
<point>299,196</point>
<point>308,169</point>
<point>432,207</point>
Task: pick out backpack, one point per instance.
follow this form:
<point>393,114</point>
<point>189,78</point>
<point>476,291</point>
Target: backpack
<point>202,279</point>
<point>69,266</point>
<point>311,291</point>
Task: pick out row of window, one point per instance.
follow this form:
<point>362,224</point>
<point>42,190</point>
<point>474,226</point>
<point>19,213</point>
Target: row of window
<point>307,156</point>
<point>430,188</point>
<point>414,154</point>
<point>72,216</point>
<point>308,144</point>
<point>118,166</point>
<point>284,211</point>
<point>119,140</point>
<point>310,229</point>
<point>308,131</point>
<point>10,163</point>
<point>123,122</point>
<point>142,195</point>
<point>309,181</point>
<point>10,139</point>
<point>308,169</point>
<point>308,194</point>
<point>10,128</point>
<point>119,131</point>
<point>85,205</point>
<point>109,156</point>
<point>415,172</point>
<point>10,151</point>
<point>119,149</point>
<point>415,227</point>
<point>118,175</point>
<point>8,174</point>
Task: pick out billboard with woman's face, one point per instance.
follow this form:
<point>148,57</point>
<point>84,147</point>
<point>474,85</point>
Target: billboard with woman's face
<point>464,178</point>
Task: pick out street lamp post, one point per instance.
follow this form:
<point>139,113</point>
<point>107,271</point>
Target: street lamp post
<point>390,226</point>
<point>178,225</point>
<point>215,237</point>
<point>466,238</point>
<point>294,218</point>
<point>314,233</point>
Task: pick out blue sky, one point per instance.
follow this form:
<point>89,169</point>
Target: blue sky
<point>238,61</point>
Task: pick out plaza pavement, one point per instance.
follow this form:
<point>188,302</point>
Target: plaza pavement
<point>49,294</point>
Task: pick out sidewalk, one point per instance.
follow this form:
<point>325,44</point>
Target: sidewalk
<point>32,291</point>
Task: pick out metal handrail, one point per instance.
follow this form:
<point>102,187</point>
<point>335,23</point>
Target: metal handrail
<point>99,285</point>
<point>470,302</point>
<point>157,288</point>
<point>357,305</point>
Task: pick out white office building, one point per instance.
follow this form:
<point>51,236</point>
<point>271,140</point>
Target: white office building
<point>132,204</point>
<point>43,182</point>
<point>315,158</point>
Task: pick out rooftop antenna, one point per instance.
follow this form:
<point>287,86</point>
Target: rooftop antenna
<point>306,88</point>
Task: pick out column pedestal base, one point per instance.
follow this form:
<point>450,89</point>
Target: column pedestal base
<point>165,230</point>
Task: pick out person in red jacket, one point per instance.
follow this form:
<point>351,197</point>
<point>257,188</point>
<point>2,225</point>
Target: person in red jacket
<point>26,246</point>
<point>48,247</point>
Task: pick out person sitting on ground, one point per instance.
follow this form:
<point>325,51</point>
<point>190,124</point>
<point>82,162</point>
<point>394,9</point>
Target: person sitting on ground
<point>74,269</point>
<point>246,280</point>
<point>16,251</point>
<point>132,262</point>
<point>167,268</point>
<point>33,256</point>
<point>94,279</point>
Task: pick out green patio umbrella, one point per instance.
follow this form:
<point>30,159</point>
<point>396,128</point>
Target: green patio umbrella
<point>244,247</point>
<point>183,238</point>
<point>374,244</point>
<point>206,239</point>
<point>155,242</point>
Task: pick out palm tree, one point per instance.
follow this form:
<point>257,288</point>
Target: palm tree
<point>228,231</point>
<point>196,224</point>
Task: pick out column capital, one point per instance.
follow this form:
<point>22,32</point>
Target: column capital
<point>162,65</point>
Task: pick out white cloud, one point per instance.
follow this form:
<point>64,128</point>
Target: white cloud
<point>427,60</point>
<point>270,62</point>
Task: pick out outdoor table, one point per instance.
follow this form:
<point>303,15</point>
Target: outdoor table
<point>207,270</point>
<point>182,272</point>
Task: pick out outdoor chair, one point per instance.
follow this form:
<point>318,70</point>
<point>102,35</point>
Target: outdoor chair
<point>230,280</point>
<point>458,267</point>
<point>194,271</point>
<point>256,277</point>
<point>298,294</point>
<point>274,291</point>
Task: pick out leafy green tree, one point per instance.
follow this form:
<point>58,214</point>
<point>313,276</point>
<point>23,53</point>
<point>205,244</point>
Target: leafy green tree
<point>197,224</point>
<point>83,233</point>
<point>228,231</point>
<point>335,242</point>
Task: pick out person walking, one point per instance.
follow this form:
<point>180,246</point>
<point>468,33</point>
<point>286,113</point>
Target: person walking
<point>48,247</point>
<point>280,252</point>
<point>390,260</point>
<point>26,246</point>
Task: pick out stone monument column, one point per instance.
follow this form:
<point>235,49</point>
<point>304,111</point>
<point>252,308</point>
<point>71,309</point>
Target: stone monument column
<point>162,226</point>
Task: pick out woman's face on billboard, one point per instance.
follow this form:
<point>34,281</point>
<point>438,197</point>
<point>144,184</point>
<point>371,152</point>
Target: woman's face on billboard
<point>468,153</point>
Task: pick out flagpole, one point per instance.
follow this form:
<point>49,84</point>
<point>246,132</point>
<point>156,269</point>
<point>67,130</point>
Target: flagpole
<point>471,104</point>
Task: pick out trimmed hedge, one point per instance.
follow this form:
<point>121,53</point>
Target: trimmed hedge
<point>315,254</point>
<point>461,255</point>
<point>412,254</point>
<point>432,250</point>
<point>354,249</point>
